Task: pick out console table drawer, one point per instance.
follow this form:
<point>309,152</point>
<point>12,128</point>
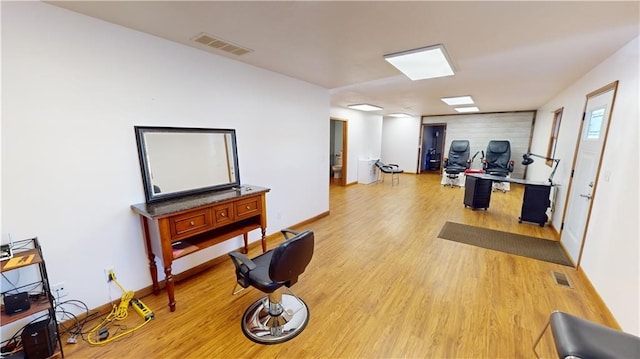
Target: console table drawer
<point>190,223</point>
<point>222,215</point>
<point>248,207</point>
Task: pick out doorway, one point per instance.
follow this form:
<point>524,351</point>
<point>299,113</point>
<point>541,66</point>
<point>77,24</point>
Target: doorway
<point>338,151</point>
<point>430,158</point>
<point>592,139</point>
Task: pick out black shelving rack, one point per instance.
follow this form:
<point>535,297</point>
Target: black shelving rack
<point>28,252</point>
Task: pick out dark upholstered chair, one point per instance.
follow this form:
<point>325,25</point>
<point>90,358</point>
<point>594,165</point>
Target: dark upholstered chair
<point>391,169</point>
<point>458,160</point>
<point>279,316</point>
<point>578,338</point>
<point>497,160</point>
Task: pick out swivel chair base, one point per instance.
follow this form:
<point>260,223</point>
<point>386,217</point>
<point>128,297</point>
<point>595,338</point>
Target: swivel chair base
<point>275,319</point>
<point>452,180</point>
<point>499,186</point>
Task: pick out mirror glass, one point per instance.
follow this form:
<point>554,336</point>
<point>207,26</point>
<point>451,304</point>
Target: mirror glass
<point>181,161</point>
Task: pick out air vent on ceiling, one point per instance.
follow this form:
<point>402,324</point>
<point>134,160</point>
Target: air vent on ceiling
<point>220,44</point>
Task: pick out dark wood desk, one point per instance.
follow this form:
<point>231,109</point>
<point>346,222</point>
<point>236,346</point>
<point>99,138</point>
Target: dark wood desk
<point>191,223</point>
<point>507,179</point>
<point>535,200</point>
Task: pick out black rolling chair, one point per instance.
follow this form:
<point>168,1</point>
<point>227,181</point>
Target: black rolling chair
<point>457,162</point>
<point>578,338</point>
<point>279,316</point>
<point>392,169</point>
<point>497,160</point>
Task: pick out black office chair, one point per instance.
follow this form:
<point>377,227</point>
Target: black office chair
<point>457,162</point>
<point>581,339</point>
<point>277,317</point>
<point>497,160</point>
<point>392,169</point>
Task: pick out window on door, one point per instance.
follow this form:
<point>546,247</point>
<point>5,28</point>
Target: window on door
<point>594,125</point>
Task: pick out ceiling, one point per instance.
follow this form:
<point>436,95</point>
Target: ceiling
<point>508,56</point>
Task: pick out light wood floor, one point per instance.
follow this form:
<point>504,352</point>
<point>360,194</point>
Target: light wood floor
<point>380,285</point>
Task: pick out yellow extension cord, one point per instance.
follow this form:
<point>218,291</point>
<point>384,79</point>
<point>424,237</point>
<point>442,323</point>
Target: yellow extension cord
<point>119,312</point>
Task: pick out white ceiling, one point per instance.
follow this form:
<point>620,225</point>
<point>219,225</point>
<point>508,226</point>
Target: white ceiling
<point>507,55</point>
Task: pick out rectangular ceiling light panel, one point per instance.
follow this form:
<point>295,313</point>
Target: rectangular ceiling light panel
<point>459,100</point>
<point>467,109</point>
<point>399,115</point>
<point>423,63</point>
<point>365,107</point>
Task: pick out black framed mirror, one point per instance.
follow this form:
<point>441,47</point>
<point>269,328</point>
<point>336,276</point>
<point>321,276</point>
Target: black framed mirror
<point>180,161</point>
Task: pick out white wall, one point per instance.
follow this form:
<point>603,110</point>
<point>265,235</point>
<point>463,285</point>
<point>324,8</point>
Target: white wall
<point>401,141</point>
<point>364,137</point>
<point>74,87</point>
<point>611,251</point>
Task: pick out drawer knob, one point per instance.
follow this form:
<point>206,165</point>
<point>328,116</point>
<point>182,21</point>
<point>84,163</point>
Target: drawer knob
<point>192,223</point>
<point>248,207</point>
<point>223,214</point>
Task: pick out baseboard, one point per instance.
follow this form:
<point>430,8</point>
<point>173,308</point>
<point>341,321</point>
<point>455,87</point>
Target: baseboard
<point>556,233</point>
<point>564,249</point>
<point>305,222</point>
<point>603,305</point>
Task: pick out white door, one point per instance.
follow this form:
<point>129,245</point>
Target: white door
<point>586,168</point>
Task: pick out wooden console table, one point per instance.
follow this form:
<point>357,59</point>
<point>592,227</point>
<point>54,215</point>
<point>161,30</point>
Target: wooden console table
<point>191,223</point>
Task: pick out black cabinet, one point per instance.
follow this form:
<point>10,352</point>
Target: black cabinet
<point>535,203</point>
<point>477,192</point>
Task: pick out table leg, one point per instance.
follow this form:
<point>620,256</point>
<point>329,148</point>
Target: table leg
<point>264,242</point>
<point>150,256</point>
<point>170,288</point>
<point>245,235</point>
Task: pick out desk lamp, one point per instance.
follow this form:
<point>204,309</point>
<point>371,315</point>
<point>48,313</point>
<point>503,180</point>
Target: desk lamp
<point>527,160</point>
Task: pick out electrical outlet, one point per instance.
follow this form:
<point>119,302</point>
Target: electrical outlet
<point>59,290</point>
<point>107,274</point>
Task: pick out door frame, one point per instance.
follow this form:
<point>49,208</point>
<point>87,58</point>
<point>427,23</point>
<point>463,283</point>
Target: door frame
<point>613,86</point>
<point>345,151</point>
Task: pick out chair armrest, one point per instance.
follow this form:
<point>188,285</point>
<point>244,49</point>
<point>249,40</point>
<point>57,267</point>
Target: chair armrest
<point>286,232</point>
<point>243,266</point>
<point>446,162</point>
<point>239,258</point>
<point>510,168</point>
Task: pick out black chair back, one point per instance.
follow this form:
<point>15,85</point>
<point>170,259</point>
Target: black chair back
<point>291,257</point>
<point>498,158</point>
<point>458,159</point>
